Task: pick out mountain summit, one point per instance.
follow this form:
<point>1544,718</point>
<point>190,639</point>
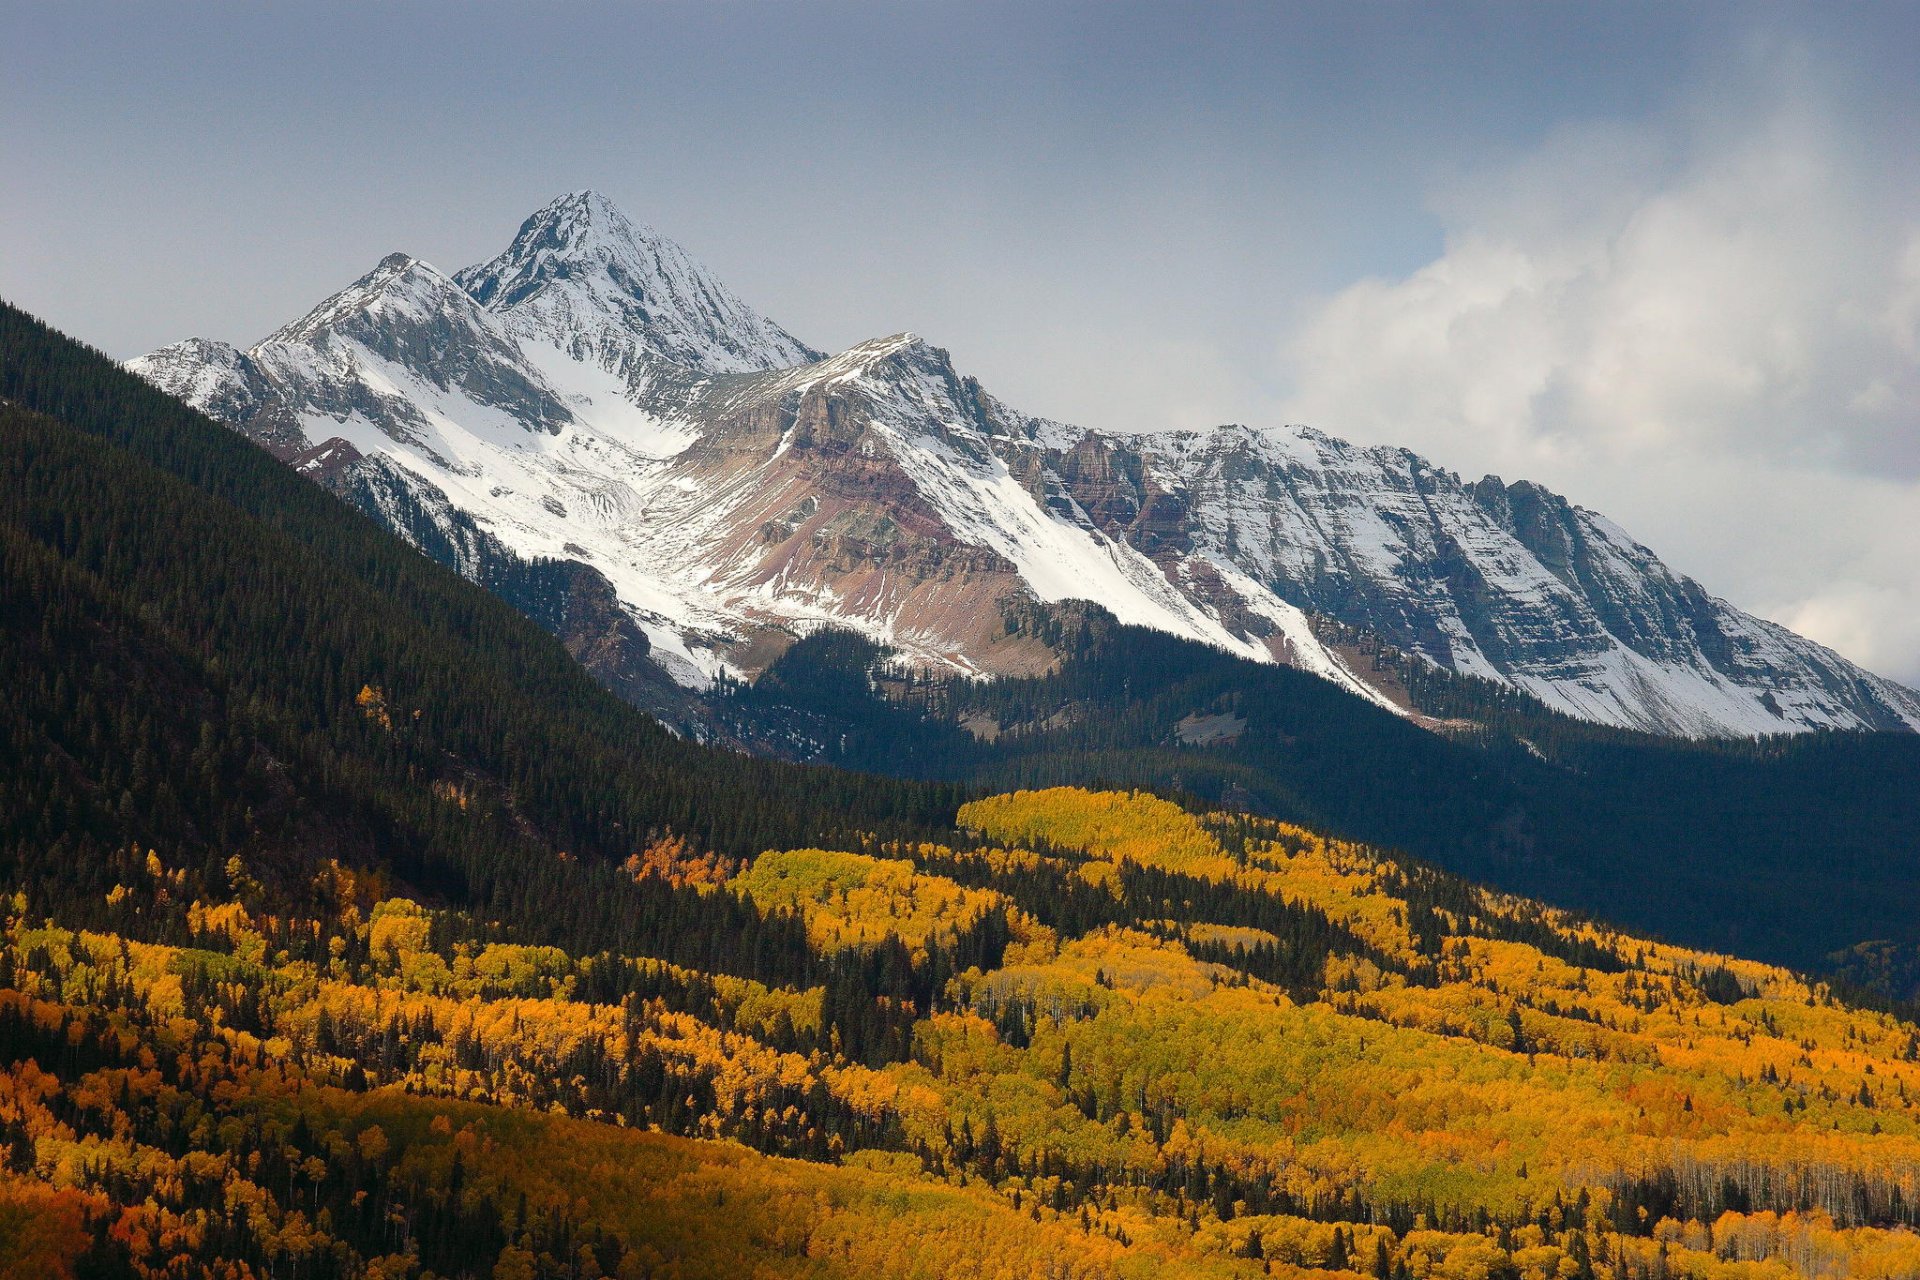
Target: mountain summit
<point>581,276</point>
<point>593,395</point>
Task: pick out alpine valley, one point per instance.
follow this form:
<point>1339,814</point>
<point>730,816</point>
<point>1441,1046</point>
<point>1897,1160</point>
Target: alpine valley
<point>595,427</point>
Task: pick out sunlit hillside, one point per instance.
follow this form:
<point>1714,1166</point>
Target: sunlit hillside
<point>1103,1036</point>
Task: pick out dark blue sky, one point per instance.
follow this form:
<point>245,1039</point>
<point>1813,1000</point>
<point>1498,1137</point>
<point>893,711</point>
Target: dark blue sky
<point>1487,231</point>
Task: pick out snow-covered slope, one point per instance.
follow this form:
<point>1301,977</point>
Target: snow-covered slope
<point>1508,583</point>
<point>594,395</point>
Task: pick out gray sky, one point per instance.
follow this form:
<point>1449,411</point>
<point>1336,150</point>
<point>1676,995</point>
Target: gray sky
<point>1664,258</point>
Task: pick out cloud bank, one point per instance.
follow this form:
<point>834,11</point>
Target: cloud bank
<point>1706,324</point>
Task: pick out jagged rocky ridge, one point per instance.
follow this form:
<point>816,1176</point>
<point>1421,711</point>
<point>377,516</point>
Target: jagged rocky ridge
<point>594,398</point>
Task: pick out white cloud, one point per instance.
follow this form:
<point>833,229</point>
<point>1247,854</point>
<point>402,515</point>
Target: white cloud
<point>1706,324</point>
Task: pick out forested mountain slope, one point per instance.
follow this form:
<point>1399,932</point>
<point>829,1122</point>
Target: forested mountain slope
<point>1115,1039</point>
<point>1789,848</point>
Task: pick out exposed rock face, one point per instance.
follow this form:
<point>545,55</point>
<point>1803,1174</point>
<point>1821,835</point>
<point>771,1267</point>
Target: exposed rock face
<point>594,426</point>
<point>1114,487</point>
<point>327,462</point>
<point>226,383</point>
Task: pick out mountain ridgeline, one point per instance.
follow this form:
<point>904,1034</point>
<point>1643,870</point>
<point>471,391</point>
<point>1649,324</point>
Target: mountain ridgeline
<point>593,394</point>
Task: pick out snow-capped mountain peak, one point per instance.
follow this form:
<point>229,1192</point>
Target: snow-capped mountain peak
<point>584,277</point>
<point>403,348</point>
<point>399,279</point>
<point>593,394</point>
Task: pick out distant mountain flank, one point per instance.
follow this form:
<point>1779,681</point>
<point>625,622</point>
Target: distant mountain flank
<point>595,396</point>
